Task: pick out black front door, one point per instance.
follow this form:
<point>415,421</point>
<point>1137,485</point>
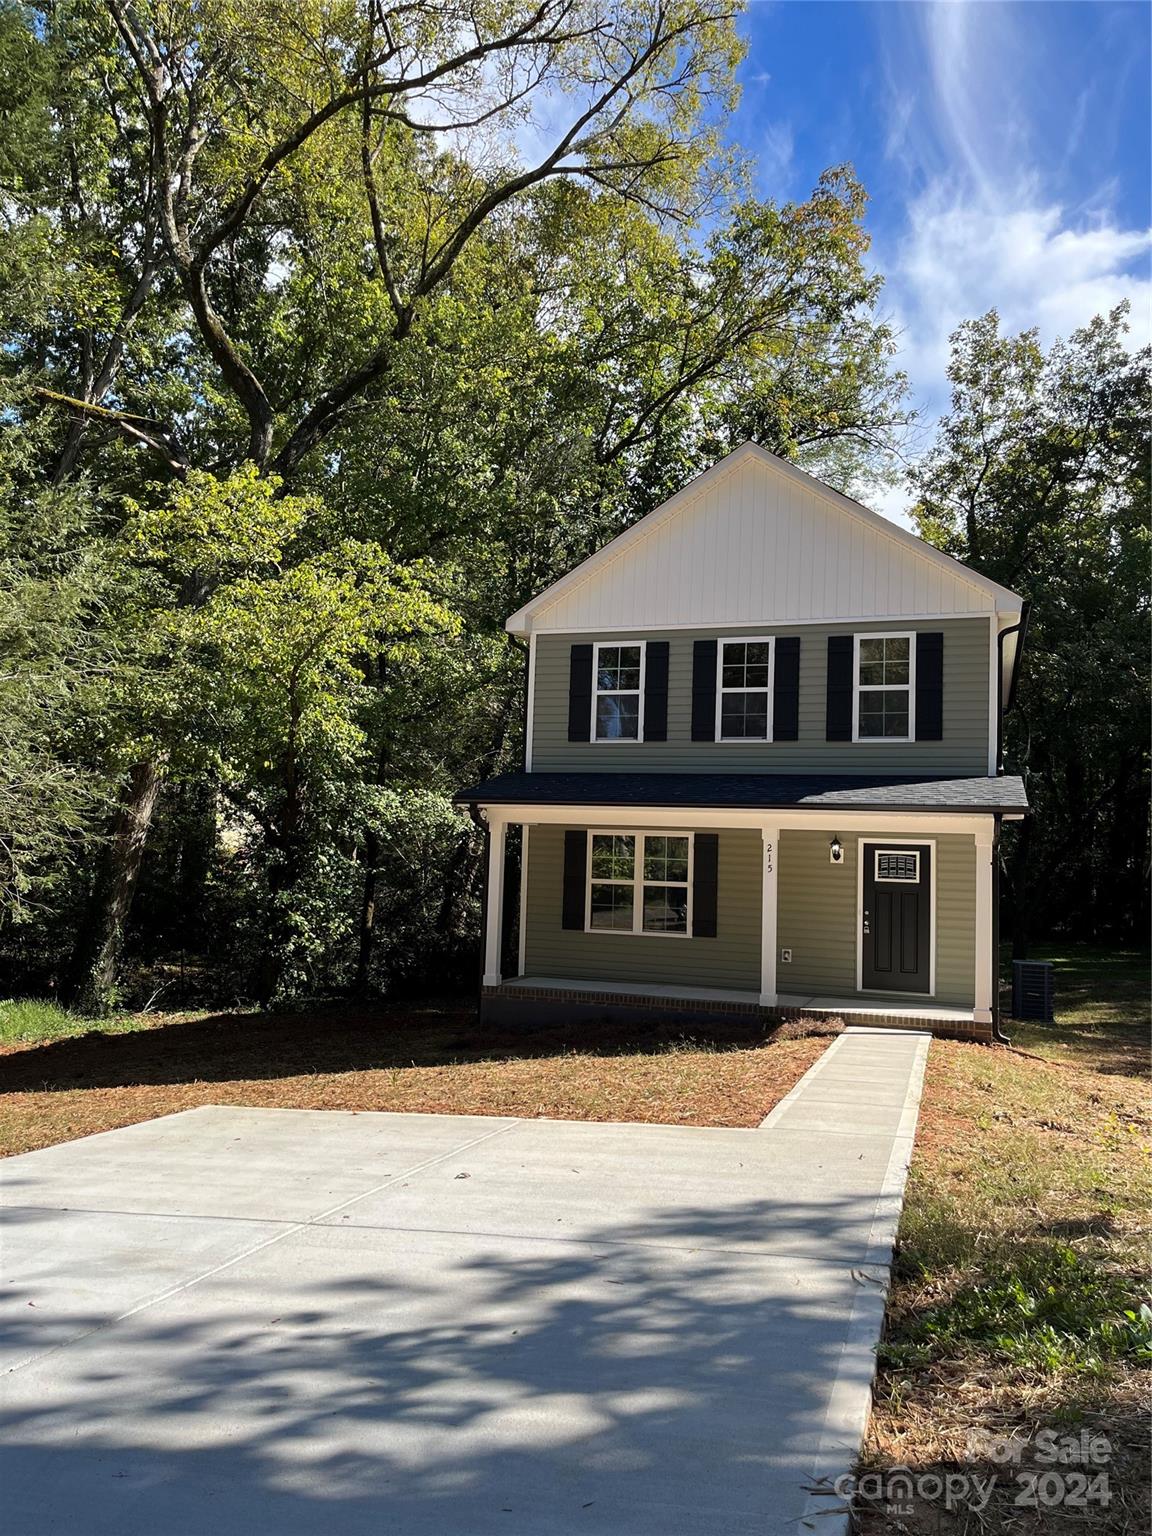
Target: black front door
<point>896,921</point>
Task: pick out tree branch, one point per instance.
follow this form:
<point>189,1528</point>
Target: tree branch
<point>139,428</point>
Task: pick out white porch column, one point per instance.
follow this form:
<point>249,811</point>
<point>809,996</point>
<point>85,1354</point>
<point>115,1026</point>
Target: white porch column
<point>497,836</point>
<point>983,991</point>
<point>523,947</point>
<point>771,862</point>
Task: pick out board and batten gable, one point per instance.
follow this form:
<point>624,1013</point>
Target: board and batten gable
<point>755,540</point>
<point>963,748</point>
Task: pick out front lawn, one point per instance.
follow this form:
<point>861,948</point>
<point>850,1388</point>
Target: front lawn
<point>1022,1267</point>
<point>432,1059</point>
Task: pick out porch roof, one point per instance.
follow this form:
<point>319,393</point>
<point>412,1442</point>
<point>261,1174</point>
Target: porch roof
<point>754,791</point>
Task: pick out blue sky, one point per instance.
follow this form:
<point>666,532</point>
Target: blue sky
<point>1005,147</point>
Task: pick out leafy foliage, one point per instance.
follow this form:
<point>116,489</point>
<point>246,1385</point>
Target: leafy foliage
<point>341,332</point>
<point>1040,479</point>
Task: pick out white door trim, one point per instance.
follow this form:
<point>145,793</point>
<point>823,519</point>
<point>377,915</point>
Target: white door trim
<point>912,842</point>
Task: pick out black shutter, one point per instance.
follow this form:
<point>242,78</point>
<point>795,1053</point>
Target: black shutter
<point>704,690</point>
<point>839,712</point>
<point>580,695</point>
<point>930,686</point>
<point>786,690</point>
<point>705,868</point>
<point>575,872</point>
<point>656,691</point>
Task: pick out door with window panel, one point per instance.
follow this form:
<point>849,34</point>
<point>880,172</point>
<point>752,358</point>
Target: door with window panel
<point>896,917</point>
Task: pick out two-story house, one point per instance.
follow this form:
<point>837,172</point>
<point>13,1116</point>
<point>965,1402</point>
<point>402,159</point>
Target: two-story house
<point>762,769</point>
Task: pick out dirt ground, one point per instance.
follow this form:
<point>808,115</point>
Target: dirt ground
<point>433,1059</point>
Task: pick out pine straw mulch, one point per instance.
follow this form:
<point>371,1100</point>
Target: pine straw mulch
<point>433,1059</point>
<point>1023,1169</point>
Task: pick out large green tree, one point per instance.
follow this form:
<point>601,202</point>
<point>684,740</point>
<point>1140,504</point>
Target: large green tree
<point>477,288</point>
<point>1039,478</point>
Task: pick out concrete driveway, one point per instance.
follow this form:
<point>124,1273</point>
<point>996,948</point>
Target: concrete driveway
<point>231,1320</point>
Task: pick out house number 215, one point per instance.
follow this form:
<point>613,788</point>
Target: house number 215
<point>769,866</point>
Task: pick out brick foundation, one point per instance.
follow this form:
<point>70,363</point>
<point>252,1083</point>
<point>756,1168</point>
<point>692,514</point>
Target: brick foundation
<point>548,1006</point>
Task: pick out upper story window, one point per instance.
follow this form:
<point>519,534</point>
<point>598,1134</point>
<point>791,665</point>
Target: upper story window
<point>618,692</point>
<point>885,678</point>
<point>744,690</point>
<point>639,883</point>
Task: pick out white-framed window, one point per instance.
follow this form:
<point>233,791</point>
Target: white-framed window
<point>618,691</point>
<point>640,882</point>
<point>883,707</point>
<point>896,866</point>
<point>744,689</point>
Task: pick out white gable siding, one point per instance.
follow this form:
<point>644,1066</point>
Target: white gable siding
<point>755,542</point>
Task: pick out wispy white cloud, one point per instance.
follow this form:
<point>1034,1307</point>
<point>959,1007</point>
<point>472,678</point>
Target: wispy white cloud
<point>988,221</point>
<point>961,256</point>
<point>775,156</point>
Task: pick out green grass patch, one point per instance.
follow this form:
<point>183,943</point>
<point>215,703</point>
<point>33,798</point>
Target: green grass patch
<point>1103,1008</point>
<point>30,1020</point>
<point>1020,1289</point>
<point>1041,1306</point>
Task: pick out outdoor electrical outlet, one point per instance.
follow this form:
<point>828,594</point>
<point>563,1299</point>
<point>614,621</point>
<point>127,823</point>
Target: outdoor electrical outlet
<point>786,956</point>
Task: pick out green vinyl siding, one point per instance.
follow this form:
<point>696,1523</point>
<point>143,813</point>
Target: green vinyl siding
<point>963,749</point>
<point>816,920</point>
<point>956,920</point>
<point>817,916</point>
<point>730,960</point>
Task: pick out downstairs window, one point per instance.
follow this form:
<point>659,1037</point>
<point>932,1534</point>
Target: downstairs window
<point>640,882</point>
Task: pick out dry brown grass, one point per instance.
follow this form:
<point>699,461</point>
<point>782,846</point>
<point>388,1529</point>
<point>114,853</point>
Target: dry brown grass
<point>1027,1174</point>
<point>431,1059</point>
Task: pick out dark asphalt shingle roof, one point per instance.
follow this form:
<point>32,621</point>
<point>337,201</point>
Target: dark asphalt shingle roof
<point>754,791</point>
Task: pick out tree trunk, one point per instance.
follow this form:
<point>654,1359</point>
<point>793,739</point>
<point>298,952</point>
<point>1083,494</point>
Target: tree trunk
<point>286,866</point>
<point>96,958</point>
<point>366,942</point>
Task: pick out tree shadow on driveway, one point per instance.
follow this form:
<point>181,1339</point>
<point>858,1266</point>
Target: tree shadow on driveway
<point>661,1374</point>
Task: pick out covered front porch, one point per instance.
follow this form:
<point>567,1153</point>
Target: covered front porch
<point>790,929</point>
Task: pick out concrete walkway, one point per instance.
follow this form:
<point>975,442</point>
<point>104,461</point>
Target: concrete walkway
<point>304,1322</point>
